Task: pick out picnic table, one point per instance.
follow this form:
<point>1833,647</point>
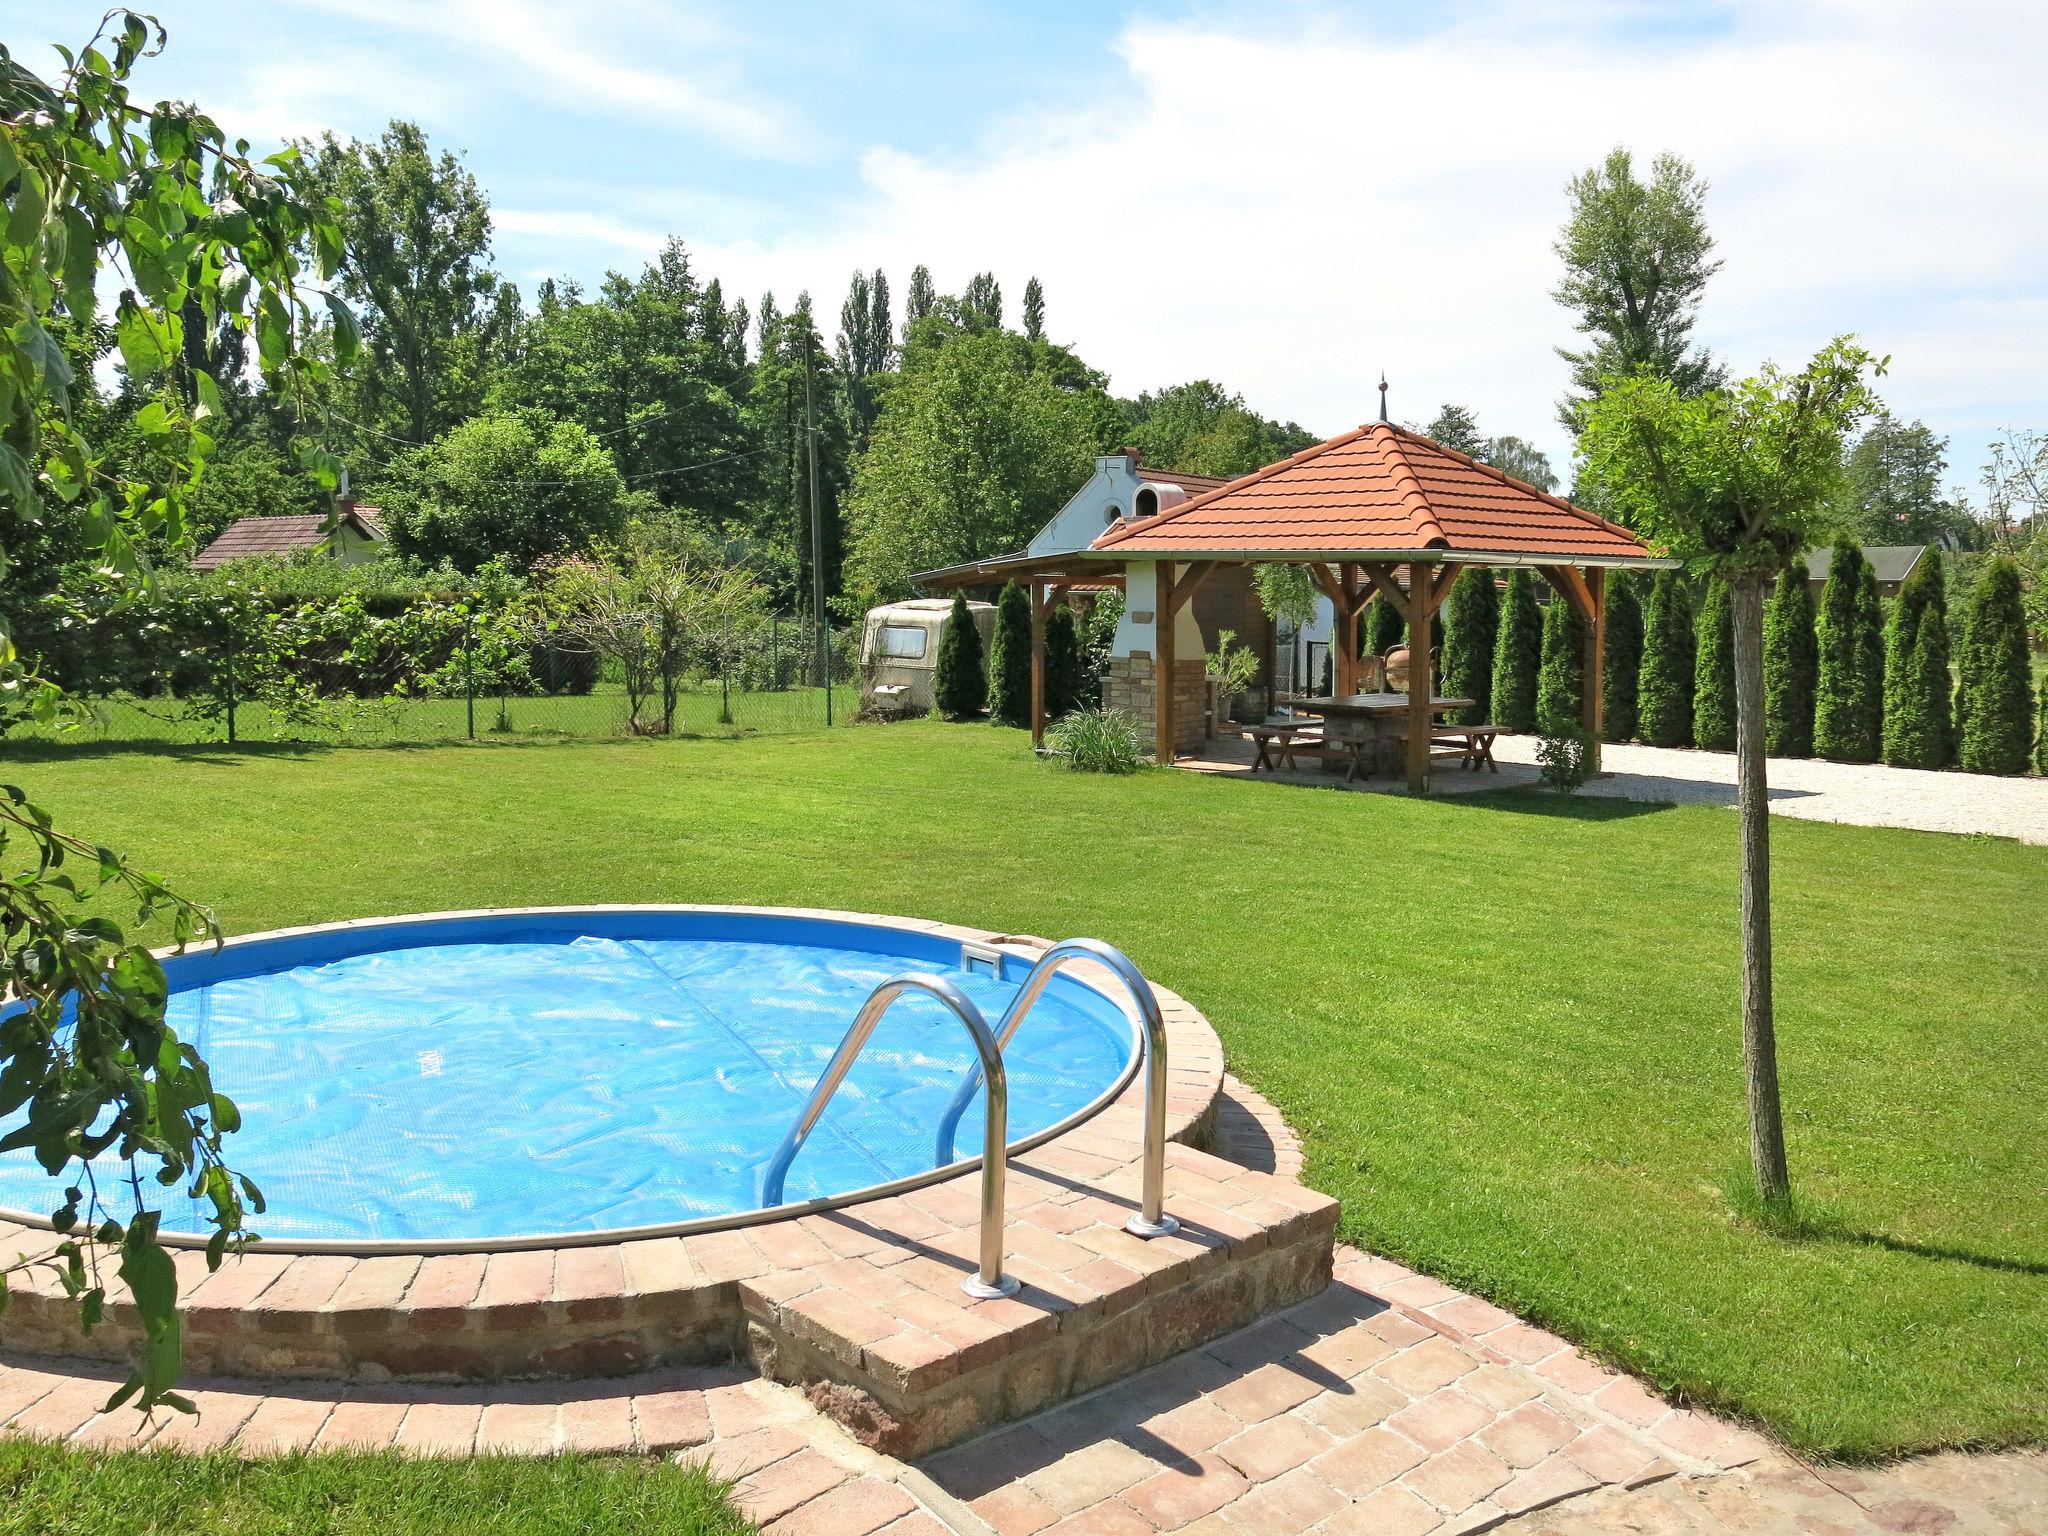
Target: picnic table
<point>1355,725</point>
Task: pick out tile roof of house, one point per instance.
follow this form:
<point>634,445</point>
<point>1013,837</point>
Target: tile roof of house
<point>1889,563</point>
<point>1378,490</point>
<point>247,536</point>
<point>1183,479</point>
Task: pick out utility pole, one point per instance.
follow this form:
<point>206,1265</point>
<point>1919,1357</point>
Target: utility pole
<point>817,529</point>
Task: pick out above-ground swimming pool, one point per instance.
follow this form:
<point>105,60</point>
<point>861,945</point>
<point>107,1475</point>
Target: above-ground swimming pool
<point>470,1078</point>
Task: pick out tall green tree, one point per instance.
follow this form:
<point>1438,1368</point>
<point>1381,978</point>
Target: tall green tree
<point>1713,685</point>
<point>1384,627</point>
<point>418,234</point>
<point>1204,429</point>
<point>1621,658</point>
<point>959,683</point>
<point>1517,652</point>
<point>1791,666</point>
<point>1456,427</point>
<point>794,360</point>
<point>1065,686</point>
<point>1998,695</point>
<point>981,303</point>
<point>1471,632</point>
<point>919,300</point>
<point>1848,710</point>
<point>866,339</point>
<point>1637,256</point>
<point>1917,730</point>
<point>1559,677</point>
<point>1034,310</point>
<point>1009,662</point>
<point>1891,489</point>
<point>1664,693</point>
<point>1738,482</point>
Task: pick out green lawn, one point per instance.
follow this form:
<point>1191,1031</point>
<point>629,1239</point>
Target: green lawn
<point>1506,1026</point>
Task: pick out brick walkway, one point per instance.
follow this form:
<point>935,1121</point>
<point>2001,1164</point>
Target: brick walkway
<point>1390,1404</point>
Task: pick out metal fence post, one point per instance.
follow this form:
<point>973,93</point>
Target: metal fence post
<point>469,671</point>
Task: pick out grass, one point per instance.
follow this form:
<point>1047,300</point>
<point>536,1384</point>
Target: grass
<point>49,1491</point>
<point>1505,1025</point>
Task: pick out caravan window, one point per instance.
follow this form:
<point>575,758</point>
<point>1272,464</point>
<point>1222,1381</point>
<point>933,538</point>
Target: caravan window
<point>903,642</point>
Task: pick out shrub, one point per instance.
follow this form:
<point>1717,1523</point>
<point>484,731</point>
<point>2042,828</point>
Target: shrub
<point>1098,638</point>
<point>1098,741</point>
<point>1062,663</point>
<point>1009,662</point>
<point>1565,761</point>
<point>1473,628</point>
<point>1790,657</point>
<point>1847,719</point>
<point>1916,679</point>
<point>1621,658</point>
<point>1383,628</point>
<point>1558,692</point>
<point>960,686</point>
<point>1517,652</point>
<point>2041,740</point>
<point>1231,665</point>
<point>1998,718</point>
<point>1713,684</point>
<point>1664,700</point>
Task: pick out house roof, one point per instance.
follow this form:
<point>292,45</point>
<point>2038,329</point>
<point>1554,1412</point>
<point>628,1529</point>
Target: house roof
<point>1890,563</point>
<point>247,536</point>
<point>1181,478</point>
<point>1378,491</point>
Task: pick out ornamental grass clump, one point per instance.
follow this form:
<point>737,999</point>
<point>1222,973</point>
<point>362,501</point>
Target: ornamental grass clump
<point>960,687</point>
<point>1791,656</point>
<point>1664,699</point>
<point>1098,741</point>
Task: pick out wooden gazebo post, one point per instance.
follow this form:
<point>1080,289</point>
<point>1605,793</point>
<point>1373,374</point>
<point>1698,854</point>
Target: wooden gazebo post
<point>1044,596</point>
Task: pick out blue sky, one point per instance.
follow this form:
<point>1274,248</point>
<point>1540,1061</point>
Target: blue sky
<point>1287,196</point>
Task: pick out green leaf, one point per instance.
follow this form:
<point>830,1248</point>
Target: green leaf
<point>347,336</point>
<point>31,203</point>
<point>145,339</point>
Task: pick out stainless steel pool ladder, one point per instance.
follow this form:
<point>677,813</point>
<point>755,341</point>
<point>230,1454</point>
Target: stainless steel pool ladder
<point>988,1280</point>
<point>1150,1220</point>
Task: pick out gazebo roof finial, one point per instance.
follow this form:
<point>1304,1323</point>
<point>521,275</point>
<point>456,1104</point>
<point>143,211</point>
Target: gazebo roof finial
<point>1383,394</point>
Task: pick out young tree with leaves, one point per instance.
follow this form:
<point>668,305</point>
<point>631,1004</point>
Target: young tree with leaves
<point>1471,631</point>
<point>1664,691</point>
<point>1791,665</point>
<point>960,685</point>
<point>1621,658</point>
<point>1517,652</point>
<point>1917,730</point>
<point>1009,662</point>
<point>1713,681</point>
<point>1848,710</point>
<point>98,183</point>
<point>1064,685</point>
<point>1737,482</point>
<point>1997,683</point>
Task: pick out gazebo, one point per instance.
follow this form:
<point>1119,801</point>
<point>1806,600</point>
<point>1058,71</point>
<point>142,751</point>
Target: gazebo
<point>1376,513</point>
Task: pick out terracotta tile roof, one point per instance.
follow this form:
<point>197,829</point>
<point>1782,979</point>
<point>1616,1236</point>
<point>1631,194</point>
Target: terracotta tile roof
<point>248,536</point>
<point>1377,490</point>
<point>1185,480</point>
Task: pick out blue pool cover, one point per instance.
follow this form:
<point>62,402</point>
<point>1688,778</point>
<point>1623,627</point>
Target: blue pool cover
<point>564,1083</point>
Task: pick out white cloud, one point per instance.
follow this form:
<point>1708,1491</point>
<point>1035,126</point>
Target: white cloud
<point>1291,213</point>
<point>584,228</point>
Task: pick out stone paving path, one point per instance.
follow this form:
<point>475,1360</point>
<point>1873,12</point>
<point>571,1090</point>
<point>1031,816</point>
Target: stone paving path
<point>1390,1404</point>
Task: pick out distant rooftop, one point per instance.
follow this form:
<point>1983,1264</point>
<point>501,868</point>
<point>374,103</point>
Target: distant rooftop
<point>248,536</point>
<point>1890,563</point>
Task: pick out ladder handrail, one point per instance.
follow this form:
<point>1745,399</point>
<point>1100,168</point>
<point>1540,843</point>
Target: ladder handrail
<point>1151,1220</point>
<point>989,1279</point>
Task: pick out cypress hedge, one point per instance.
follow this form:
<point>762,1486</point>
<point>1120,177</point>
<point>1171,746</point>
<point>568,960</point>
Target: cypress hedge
<point>1998,718</point>
<point>1558,677</point>
<point>2041,741</point>
<point>1621,658</point>
<point>1664,699</point>
<point>1713,681</point>
<point>1009,662</point>
<point>960,686</point>
<point>1517,651</point>
<point>1471,631</point>
<point>1847,712</point>
<point>1063,684</point>
<point>1383,628</point>
<point>1790,658</point>
<point>1917,730</point>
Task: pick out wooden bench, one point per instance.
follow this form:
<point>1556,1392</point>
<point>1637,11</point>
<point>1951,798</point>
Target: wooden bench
<point>1472,743</point>
<point>1282,741</point>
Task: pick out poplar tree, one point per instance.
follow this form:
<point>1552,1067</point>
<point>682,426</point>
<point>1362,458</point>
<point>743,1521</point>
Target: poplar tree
<point>1063,683</point>
<point>1034,310</point>
<point>1664,700</point>
<point>1713,686</point>
<point>1009,662</point>
<point>1917,730</point>
<point>1517,652</point>
<point>1998,718</point>
<point>1790,659</point>
<point>1471,631</point>
<point>981,303</point>
<point>1843,698</point>
<point>960,686</point>
<point>1621,658</point>
<point>919,300</point>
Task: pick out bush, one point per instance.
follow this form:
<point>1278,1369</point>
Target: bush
<point>1063,683</point>
<point>1917,731</point>
<point>1998,714</point>
<point>1621,658</point>
<point>1559,696</point>
<point>1517,651</point>
<point>1098,639</point>
<point>1384,628</point>
<point>1471,632</point>
<point>1664,700</point>
<point>1840,727</point>
<point>1009,662</point>
<point>1098,741</point>
<point>960,685</point>
<point>1713,684</point>
<point>1790,657</point>
<point>1565,761</point>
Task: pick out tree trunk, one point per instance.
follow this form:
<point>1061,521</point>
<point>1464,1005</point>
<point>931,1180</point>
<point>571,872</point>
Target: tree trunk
<point>1759,1034</point>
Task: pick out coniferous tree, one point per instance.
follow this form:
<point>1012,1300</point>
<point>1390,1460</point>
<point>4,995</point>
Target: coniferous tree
<point>1469,638</point>
<point>1870,672</point>
<point>1384,627</point>
<point>1009,662</point>
<point>2041,739</point>
<point>960,685</point>
<point>1916,680</point>
<point>1790,659</point>
<point>1713,686</point>
<point>1621,658</point>
<point>1062,663</point>
<point>1998,721</point>
<point>1517,653</point>
<point>1841,706</point>
<point>1034,310</point>
<point>1558,690</point>
<point>1664,698</point>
